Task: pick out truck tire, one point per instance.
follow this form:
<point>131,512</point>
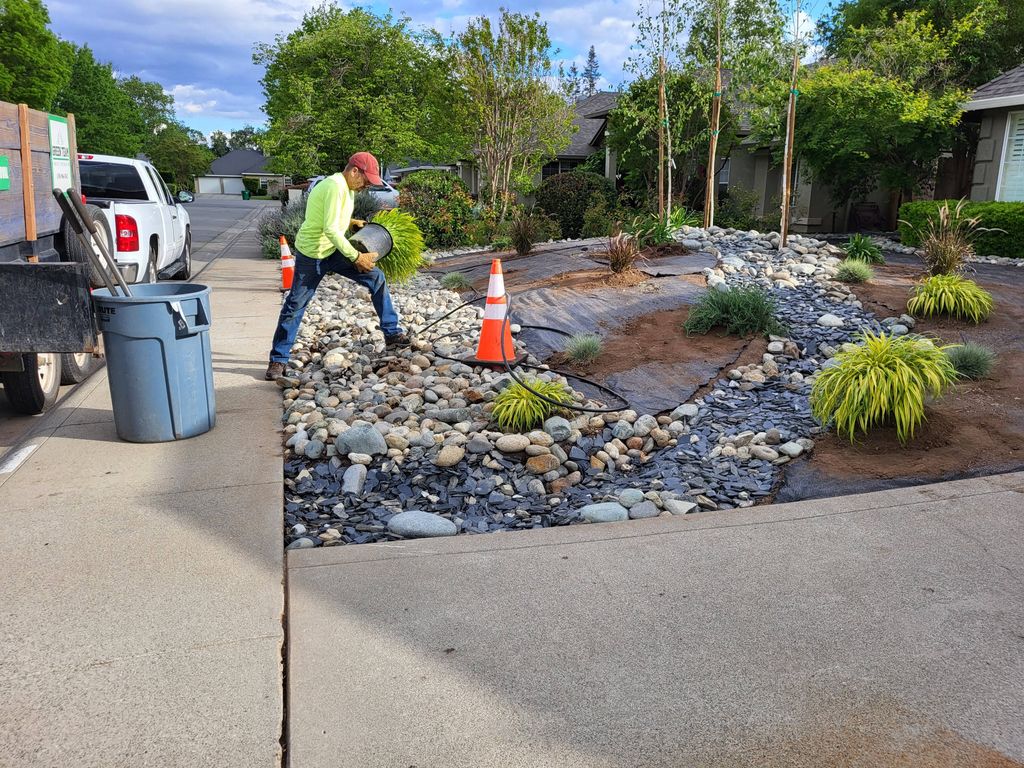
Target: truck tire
<point>76,367</point>
<point>74,249</point>
<point>185,258</point>
<point>152,274</point>
<point>35,389</point>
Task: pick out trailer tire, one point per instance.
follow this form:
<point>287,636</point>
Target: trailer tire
<point>74,249</point>
<point>77,367</point>
<point>35,389</point>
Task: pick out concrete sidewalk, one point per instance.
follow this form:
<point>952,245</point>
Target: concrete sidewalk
<point>876,630</point>
<point>142,585</point>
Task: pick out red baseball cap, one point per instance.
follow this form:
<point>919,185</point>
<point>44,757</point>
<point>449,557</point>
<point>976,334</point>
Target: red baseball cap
<point>368,164</point>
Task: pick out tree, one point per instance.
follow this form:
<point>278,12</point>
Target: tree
<point>569,82</point>
<point>986,36</point>
<point>180,153</point>
<point>347,81</point>
<point>520,121</point>
<point>633,134</point>
<point>106,119</point>
<point>154,107</point>
<point>591,73</point>
<point>246,137</point>
<point>856,129</point>
<point>219,143</point>
<point>33,63</point>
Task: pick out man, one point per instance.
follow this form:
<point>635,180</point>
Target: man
<point>321,247</point>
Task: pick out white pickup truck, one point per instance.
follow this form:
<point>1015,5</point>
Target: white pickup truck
<point>148,229</point>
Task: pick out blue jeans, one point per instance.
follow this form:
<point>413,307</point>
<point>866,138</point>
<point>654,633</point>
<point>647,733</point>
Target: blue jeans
<point>308,274</point>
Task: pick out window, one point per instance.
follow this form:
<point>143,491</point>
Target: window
<point>723,174</point>
<point>558,166</point>
<point>110,180</point>
<point>1010,187</point>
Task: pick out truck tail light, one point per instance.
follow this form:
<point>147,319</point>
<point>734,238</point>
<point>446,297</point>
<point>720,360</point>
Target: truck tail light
<point>127,233</point>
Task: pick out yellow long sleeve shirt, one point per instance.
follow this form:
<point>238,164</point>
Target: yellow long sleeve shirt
<point>328,217</point>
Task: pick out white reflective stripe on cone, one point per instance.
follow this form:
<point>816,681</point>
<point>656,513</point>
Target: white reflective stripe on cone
<point>496,286</point>
<point>494,311</point>
<point>287,263</point>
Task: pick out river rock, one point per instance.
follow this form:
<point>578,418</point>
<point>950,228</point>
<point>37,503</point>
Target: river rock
<point>540,465</point>
<point>678,506</point>
<point>512,443</point>
<point>416,524</point>
<point>629,497</point>
<point>560,429</point>
<point>449,456</point>
<point>644,509</point>
<point>353,479</point>
<point>605,512</point>
<point>361,439</point>
<point>828,320</point>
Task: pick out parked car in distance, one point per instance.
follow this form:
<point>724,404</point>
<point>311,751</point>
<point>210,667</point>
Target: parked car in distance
<point>385,194</point>
<point>149,231</point>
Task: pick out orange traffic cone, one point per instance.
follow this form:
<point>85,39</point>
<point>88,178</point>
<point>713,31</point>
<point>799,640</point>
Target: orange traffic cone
<point>494,328</point>
<point>287,265</point>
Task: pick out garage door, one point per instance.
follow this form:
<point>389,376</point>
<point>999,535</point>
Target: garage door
<point>233,185</point>
<point>209,185</point>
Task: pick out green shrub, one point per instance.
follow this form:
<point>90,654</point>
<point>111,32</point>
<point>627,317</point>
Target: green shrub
<point>862,248</point>
<point>584,348</point>
<point>854,271</point>
<point>652,230</point>
<point>883,379</point>
<point>1004,223</point>
<point>276,222</point>
<point>972,361</point>
<point>597,221</point>
<point>251,184</point>
<point>406,255</point>
<point>456,281</point>
<point>517,409</point>
<point>441,204</point>
<point>740,311</point>
<point>737,209</point>
<point>566,197</point>
<point>950,295</point>
<point>524,232</point>
<point>365,206</point>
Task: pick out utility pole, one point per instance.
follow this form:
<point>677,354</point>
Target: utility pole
<point>787,161</point>
<point>716,110</point>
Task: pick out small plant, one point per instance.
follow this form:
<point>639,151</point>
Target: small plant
<point>584,348</point>
<point>972,361</point>
<point>883,379</point>
<point>456,281</point>
<point>597,221</point>
<point>651,229</point>
<point>406,255</point>
<point>280,221</point>
<point>854,271</point>
<point>862,248</point>
<point>566,196</point>
<point>950,295</point>
<point>517,409</point>
<point>741,311</point>
<point>523,232</point>
<point>366,205</point>
<point>948,239</point>
<point>623,252</point>
<point>683,217</point>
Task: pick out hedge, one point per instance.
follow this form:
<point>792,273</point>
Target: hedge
<point>1003,216</point>
<point>441,204</point>
<point>566,197</point>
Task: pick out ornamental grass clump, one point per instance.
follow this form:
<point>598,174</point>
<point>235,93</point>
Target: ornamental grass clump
<point>863,248</point>
<point>584,348</point>
<point>406,255</point>
<point>517,409</point>
<point>947,239</point>
<point>456,281</point>
<point>740,311</point>
<point>882,380</point>
<point>950,295</point>
<point>623,252</point>
<point>972,361</point>
<point>854,271</point>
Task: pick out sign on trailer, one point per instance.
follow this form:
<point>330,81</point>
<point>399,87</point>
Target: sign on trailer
<point>5,173</point>
<point>60,153</point>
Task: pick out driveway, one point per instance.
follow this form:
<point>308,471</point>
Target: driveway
<point>216,224</point>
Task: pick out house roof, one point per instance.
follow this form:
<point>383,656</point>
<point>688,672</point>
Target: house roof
<point>239,161</point>
<point>590,119</point>
<point>1007,90</point>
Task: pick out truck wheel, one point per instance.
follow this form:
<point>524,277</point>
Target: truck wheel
<point>34,389</point>
<point>151,275</point>
<point>185,258</point>
<point>76,367</point>
<point>74,249</point>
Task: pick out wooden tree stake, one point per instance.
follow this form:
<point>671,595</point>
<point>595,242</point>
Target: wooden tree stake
<point>716,110</point>
<point>27,187</point>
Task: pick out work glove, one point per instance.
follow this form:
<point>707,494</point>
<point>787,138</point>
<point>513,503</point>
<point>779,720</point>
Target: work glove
<point>357,223</point>
<point>366,261</point>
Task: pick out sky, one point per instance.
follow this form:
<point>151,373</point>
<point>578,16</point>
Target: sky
<point>201,50</point>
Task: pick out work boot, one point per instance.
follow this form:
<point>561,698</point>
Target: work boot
<point>397,341</point>
<point>274,371</point>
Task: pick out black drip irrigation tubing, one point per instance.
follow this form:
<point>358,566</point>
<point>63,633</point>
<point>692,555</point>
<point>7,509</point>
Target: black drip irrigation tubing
<point>506,323</point>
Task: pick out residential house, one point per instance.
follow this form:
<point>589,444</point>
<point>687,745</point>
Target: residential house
<point>226,173</point>
<point>998,108</point>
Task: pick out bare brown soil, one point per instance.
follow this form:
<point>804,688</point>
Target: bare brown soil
<point>977,427</point>
<point>659,338</point>
<point>583,279</point>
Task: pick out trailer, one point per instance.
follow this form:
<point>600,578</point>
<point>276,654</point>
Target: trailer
<point>48,331</point>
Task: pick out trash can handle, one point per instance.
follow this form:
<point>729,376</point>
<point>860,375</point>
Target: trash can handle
<point>181,325</point>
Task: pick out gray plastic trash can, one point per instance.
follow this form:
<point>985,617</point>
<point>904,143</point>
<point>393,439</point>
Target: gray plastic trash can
<point>159,366</point>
